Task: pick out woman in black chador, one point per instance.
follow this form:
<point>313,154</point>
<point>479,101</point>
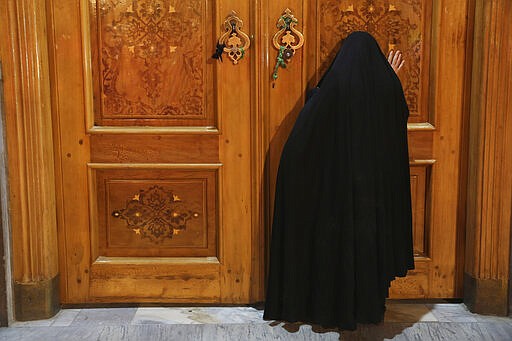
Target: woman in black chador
<point>342,226</point>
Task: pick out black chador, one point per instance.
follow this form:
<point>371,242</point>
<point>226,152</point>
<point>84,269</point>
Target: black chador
<point>342,227</point>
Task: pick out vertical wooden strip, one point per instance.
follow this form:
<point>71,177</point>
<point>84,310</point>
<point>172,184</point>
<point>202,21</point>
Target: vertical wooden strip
<point>286,93</point>
<point>235,88</point>
<point>279,101</point>
<point>450,65</point>
<point>461,212</point>
<point>489,195</point>
<point>30,158</point>
<point>69,110</point>
<point>258,66</point>
<point>5,249</point>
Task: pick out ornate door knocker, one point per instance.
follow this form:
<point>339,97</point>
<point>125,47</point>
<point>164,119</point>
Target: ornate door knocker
<point>233,41</point>
<point>287,40</point>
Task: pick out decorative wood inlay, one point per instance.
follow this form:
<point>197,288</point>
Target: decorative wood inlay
<point>396,25</point>
<point>151,59</point>
<point>156,214</point>
<point>154,210</point>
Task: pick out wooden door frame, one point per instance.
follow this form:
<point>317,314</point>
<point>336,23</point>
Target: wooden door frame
<point>4,220</point>
<point>30,159</point>
<point>489,192</point>
<point>31,178</point>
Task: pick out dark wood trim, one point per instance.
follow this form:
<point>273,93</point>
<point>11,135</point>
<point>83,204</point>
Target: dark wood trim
<point>36,300</point>
<point>485,296</point>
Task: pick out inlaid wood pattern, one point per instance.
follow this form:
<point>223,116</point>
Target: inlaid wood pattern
<point>156,212</point>
<point>149,62</point>
<point>399,24</point>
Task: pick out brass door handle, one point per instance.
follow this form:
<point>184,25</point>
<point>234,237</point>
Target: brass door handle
<point>287,40</point>
<point>233,41</point>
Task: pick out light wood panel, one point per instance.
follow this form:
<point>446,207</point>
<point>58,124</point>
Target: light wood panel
<point>178,281</point>
<point>235,154</point>
<point>149,148</point>
<point>72,147</point>
<point>448,90</point>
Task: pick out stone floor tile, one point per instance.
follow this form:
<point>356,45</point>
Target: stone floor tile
<point>404,312</point>
<point>496,331</point>
<point>197,315</point>
<point>65,317</point>
<point>404,322</point>
<point>104,316</point>
<point>449,312</point>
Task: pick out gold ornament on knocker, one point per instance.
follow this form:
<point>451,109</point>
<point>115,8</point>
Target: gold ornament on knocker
<point>287,40</point>
<point>233,41</point>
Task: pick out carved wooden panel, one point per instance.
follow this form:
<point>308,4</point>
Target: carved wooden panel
<point>150,62</point>
<point>419,183</point>
<point>155,212</point>
<point>396,24</point>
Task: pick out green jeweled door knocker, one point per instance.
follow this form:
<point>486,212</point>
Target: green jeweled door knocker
<point>287,40</point>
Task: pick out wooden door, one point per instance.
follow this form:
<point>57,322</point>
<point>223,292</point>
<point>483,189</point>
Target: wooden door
<point>166,159</point>
<point>432,36</point>
<point>154,152</point>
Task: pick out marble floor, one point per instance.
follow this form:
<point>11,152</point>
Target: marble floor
<point>403,321</point>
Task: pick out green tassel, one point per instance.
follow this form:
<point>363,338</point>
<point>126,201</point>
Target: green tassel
<point>279,62</point>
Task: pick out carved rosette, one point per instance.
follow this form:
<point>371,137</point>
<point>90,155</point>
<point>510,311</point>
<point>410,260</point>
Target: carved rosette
<point>142,45</point>
<point>156,214</point>
<point>395,25</point>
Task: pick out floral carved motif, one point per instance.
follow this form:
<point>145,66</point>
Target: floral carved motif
<point>151,58</point>
<point>156,214</point>
<point>395,24</point>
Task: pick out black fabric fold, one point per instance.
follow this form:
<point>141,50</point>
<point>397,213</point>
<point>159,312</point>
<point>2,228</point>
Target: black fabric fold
<point>342,226</point>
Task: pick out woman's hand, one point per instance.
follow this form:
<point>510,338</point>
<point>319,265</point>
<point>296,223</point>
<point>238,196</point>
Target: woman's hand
<point>396,61</point>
